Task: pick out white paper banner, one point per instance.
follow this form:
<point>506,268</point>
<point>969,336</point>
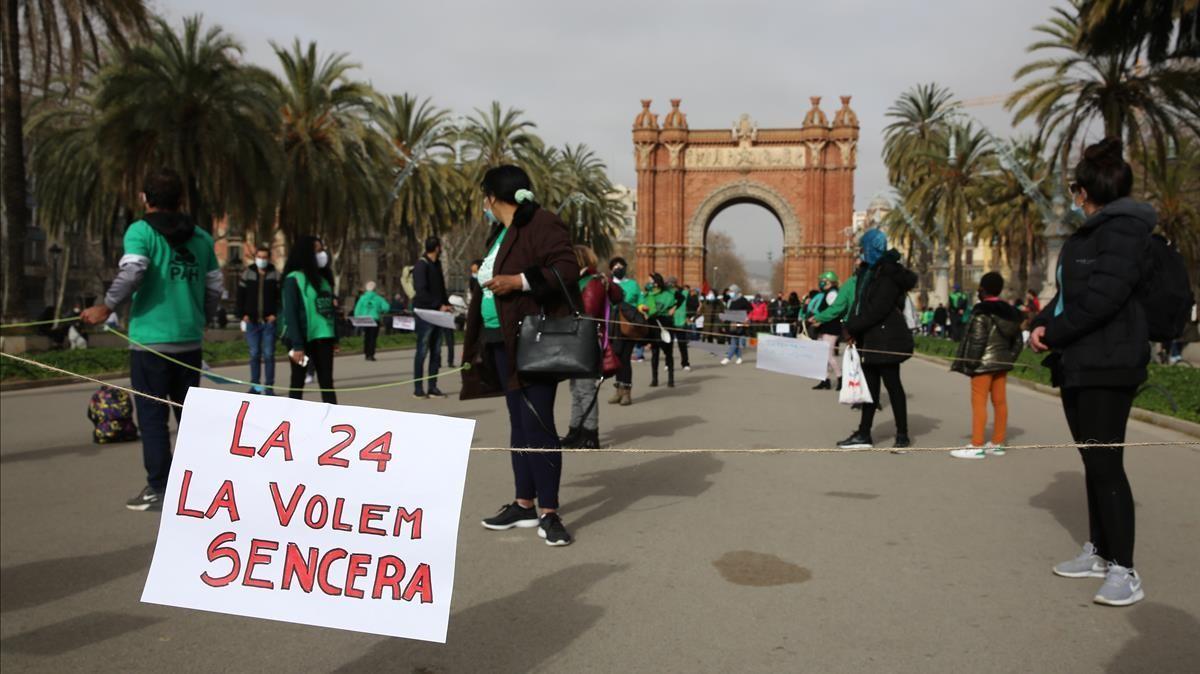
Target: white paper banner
<point>363,322</point>
<point>733,316</point>
<point>783,329</point>
<point>441,319</point>
<point>404,323</point>
<point>327,515</point>
<point>803,358</point>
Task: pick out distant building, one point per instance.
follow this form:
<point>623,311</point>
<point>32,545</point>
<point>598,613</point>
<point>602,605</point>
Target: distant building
<point>624,243</point>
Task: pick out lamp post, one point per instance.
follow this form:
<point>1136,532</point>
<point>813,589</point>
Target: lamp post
<point>56,252</point>
<point>716,286</point>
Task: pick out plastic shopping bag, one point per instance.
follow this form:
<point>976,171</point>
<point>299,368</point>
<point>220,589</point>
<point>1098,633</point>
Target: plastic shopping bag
<point>854,384</point>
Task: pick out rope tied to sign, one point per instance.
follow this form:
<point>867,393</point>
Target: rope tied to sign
<point>677,450</point>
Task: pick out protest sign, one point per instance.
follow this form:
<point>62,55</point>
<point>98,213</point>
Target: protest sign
<point>441,319</point>
<point>404,323</point>
<point>733,316</point>
<point>327,515</point>
<point>363,322</point>
<point>783,329</point>
<point>800,357</point>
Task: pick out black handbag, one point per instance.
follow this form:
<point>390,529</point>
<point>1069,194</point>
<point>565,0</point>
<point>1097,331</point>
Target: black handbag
<point>558,348</point>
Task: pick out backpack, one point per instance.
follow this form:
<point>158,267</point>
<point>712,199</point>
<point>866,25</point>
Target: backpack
<point>1165,292</point>
<point>111,412</point>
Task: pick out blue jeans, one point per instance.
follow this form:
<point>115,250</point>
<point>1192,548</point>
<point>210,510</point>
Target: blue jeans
<point>429,340</point>
<point>735,347</point>
<point>161,378</point>
<point>261,338</point>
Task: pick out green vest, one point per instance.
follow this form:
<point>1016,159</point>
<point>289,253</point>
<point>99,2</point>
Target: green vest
<point>168,307</point>
<point>318,307</point>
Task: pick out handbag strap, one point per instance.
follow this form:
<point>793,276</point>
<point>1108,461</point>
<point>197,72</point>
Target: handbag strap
<point>538,417</point>
<point>566,294</point>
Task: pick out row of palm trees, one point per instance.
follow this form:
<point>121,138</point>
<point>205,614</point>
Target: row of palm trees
<point>314,150</point>
<point>956,180</point>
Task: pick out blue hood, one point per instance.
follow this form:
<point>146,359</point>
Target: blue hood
<point>874,245</point>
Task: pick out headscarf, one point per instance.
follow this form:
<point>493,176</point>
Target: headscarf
<point>874,245</point>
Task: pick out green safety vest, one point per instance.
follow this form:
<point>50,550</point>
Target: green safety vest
<point>318,307</point>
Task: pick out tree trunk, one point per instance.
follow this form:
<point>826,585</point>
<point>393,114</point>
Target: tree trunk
<point>16,212</point>
<point>63,273</point>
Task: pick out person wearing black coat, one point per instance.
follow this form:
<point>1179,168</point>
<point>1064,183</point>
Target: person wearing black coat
<point>876,325</point>
<point>1096,329</point>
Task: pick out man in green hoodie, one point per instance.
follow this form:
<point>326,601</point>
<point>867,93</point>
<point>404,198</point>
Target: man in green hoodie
<point>370,305</point>
<point>169,269</point>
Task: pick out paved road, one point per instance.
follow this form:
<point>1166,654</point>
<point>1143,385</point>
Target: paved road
<point>683,563</point>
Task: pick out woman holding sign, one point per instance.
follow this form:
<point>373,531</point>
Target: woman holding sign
<point>528,264</point>
<point>308,318</point>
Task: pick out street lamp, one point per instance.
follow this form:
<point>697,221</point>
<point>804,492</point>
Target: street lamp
<point>56,252</point>
<point>715,277</point>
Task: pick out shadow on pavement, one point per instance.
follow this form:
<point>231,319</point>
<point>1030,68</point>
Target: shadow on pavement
<point>1166,641</point>
<point>516,633</point>
<point>47,580</point>
<point>77,632</point>
<point>1066,499</point>
<point>623,434</point>
<point>40,454</point>
<point>918,424</point>
<point>682,475</point>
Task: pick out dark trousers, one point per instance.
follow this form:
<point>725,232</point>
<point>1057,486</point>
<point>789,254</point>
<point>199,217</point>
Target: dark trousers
<point>623,349</point>
<point>370,339</point>
<point>1099,415</point>
<point>160,378</point>
<point>429,341</point>
<point>669,350</point>
<point>535,474</point>
<point>448,335</point>
<point>680,337</point>
<point>890,374</point>
<point>320,356</point>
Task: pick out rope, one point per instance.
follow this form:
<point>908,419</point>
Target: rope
<point>30,324</point>
<point>687,450</point>
<point>349,389</point>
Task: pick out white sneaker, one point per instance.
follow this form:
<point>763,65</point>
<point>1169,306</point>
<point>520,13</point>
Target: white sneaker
<point>687,368</point>
<point>739,360</point>
<point>995,450</point>
<point>971,452</point>
<point>308,379</point>
<point>724,361</point>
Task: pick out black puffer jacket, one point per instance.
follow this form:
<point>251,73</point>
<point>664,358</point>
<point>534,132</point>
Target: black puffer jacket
<point>1101,337</point>
<point>992,341</point>
<point>875,319</point>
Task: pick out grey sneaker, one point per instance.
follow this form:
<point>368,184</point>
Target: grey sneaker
<point>1122,587</point>
<point>1087,565</point>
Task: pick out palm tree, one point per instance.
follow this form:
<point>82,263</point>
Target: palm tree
<point>1014,216</point>
<point>499,136</point>
<point>1072,90</point>
<point>57,36</point>
<point>333,177</point>
<point>582,187</point>
<point>1133,22</point>
<point>183,100</point>
<point>921,116</point>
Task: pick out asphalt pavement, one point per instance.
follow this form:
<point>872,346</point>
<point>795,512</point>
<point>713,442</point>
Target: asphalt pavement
<point>682,563</point>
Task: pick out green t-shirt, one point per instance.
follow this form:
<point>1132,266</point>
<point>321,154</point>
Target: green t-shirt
<point>318,307</point>
<point>631,289</point>
<point>371,305</point>
<point>487,307</point>
<point>168,306</point>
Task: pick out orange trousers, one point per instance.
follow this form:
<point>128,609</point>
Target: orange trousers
<point>994,384</point>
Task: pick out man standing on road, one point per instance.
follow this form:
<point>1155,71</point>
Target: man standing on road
<point>959,304</point>
<point>430,287</point>
<point>258,305</point>
<point>370,305</point>
<point>170,270</point>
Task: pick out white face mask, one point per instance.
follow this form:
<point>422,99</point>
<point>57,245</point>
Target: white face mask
<point>322,259</point>
<point>261,263</point>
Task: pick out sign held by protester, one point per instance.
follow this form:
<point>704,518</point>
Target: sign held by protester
<point>783,329</point>
<point>800,357</point>
<point>327,515</point>
<point>733,316</point>
<point>363,322</point>
<point>404,323</point>
<point>442,319</point>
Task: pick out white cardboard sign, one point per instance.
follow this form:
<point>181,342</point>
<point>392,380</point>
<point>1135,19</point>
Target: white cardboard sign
<point>363,322</point>
<point>733,316</point>
<point>783,329</point>
<point>800,357</point>
<point>404,323</point>
<point>442,319</point>
<point>327,515</point>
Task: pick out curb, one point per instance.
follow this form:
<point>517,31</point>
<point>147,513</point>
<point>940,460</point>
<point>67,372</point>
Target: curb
<point>1162,420</point>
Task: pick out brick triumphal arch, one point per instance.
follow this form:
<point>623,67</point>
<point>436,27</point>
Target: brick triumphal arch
<point>685,177</point>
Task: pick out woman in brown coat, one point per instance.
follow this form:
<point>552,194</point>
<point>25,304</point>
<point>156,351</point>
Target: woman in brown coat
<point>526,247</point>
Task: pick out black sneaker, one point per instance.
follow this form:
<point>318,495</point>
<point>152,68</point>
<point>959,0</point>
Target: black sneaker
<point>148,499</point>
<point>436,393</point>
<point>551,528</point>
<point>419,395</point>
<point>822,385</point>
<point>902,443</point>
<point>511,515</point>
<point>857,440</point>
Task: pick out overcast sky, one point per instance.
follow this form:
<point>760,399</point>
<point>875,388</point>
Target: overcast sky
<point>578,69</point>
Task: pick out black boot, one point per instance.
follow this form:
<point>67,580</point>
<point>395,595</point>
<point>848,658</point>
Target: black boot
<point>670,378</point>
<point>839,384</point>
<point>589,439</point>
<point>822,385</point>
<point>572,438</point>
<point>654,379</point>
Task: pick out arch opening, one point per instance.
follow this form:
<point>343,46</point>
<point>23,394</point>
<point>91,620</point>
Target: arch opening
<point>743,244</point>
